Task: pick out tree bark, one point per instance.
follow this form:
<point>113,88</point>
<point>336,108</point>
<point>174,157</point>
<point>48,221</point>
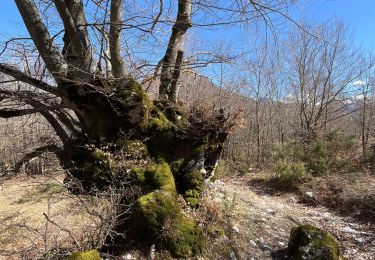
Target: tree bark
<point>174,49</point>
<point>115,39</point>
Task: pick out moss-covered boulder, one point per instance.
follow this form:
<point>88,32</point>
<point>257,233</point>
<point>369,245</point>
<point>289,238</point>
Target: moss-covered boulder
<point>159,215</point>
<point>86,255</point>
<point>159,176</point>
<point>187,238</point>
<point>309,242</point>
<point>156,209</point>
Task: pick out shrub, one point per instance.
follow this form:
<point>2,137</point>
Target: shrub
<point>332,153</point>
<point>289,151</point>
<point>369,157</point>
<point>290,172</point>
<point>316,157</point>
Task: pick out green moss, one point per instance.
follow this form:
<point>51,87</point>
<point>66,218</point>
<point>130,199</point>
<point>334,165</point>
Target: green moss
<point>194,180</point>
<point>160,177</point>
<point>157,208</point>
<point>192,201</point>
<point>87,255</point>
<point>163,135</point>
<point>187,238</point>
<point>176,167</point>
<point>309,242</point>
<point>158,123</point>
<point>194,184</point>
<point>159,214</point>
<point>98,154</point>
<point>139,174</point>
<point>193,193</point>
<point>216,231</point>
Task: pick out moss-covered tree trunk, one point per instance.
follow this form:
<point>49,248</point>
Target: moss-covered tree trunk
<point>164,149</point>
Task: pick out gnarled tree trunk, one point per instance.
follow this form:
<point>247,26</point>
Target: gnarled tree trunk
<point>118,133</point>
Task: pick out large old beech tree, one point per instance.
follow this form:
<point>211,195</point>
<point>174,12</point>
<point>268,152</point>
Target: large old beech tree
<point>111,132</point>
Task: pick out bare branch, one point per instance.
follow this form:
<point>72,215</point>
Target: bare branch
<point>51,55</point>
<point>37,152</point>
<point>20,76</point>
<point>21,112</point>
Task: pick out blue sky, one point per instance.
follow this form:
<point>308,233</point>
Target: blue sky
<point>360,14</point>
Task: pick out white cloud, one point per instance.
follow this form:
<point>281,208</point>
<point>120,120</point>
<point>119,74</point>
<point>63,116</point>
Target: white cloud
<point>358,83</point>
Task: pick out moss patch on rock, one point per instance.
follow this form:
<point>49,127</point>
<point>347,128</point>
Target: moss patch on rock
<point>187,238</point>
<point>133,148</point>
<point>309,242</point>
<point>160,177</point>
<point>86,255</point>
<point>194,183</point>
<point>157,208</point>
<point>159,215</point>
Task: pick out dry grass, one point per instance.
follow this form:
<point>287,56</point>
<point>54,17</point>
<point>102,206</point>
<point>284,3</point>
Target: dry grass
<point>40,219</point>
<point>350,193</point>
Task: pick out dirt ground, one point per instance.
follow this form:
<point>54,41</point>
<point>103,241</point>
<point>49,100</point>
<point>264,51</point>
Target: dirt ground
<point>263,223</point>
<point>260,222</point>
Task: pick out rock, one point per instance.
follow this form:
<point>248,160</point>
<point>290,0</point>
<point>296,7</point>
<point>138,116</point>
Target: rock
<point>348,229</point>
<point>326,216</point>
<point>219,183</point>
<point>281,243</point>
<point>309,242</point>
<point>360,239</point>
<point>266,247</point>
<point>232,256</point>
<point>309,195</point>
<point>236,229</point>
<point>271,211</point>
<point>127,257</point>
<point>151,253</point>
<point>252,242</point>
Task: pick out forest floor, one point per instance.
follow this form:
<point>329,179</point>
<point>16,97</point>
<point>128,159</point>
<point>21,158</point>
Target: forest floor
<point>263,221</point>
<point>38,216</point>
<point>260,222</point>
